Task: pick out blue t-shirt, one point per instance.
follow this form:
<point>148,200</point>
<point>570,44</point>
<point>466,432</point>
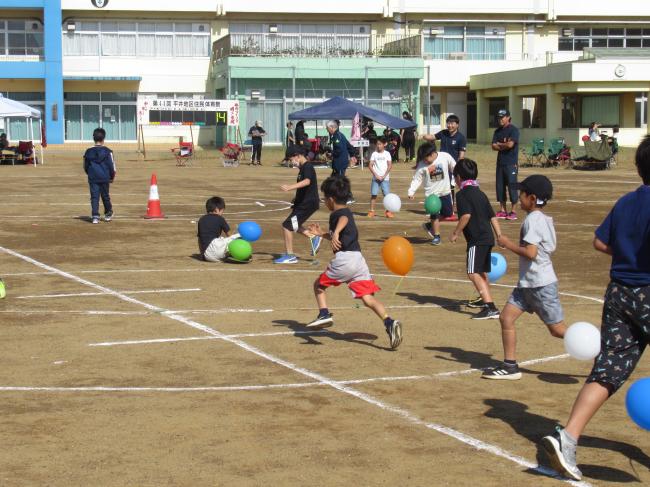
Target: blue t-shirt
<point>508,157</point>
<point>452,144</point>
<point>627,231</point>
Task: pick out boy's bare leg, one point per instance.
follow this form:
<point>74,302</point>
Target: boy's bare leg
<point>288,240</point>
<point>435,224</point>
<point>372,303</point>
<point>590,398</point>
<point>558,329</point>
<point>319,292</point>
<point>373,201</point>
<point>507,318</point>
<point>482,285</point>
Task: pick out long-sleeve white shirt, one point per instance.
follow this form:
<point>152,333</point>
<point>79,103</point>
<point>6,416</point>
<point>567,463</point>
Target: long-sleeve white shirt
<point>435,176</point>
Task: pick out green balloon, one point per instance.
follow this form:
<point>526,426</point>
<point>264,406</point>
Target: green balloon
<point>432,204</point>
<point>240,249</point>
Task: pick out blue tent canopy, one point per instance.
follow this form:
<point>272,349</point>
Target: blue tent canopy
<point>338,108</point>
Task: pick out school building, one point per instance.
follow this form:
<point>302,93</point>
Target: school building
<point>556,65</point>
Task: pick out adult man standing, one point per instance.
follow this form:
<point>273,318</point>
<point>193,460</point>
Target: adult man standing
<point>341,150</point>
<point>256,133</point>
<point>506,142</point>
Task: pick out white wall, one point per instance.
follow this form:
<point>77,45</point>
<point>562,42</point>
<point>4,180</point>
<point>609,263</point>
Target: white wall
<point>144,5</point>
<point>493,7</point>
<point>376,7</point>
<point>601,8</point>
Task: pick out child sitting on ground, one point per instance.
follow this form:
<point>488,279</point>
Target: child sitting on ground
<point>348,265</point>
<point>537,290</point>
<point>625,330</point>
<point>476,221</point>
<point>380,166</point>
<point>434,169</point>
<point>212,246</point>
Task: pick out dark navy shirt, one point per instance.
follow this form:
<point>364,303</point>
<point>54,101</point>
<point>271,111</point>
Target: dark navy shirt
<point>627,231</point>
<point>452,144</point>
<point>349,236</point>
<point>307,197</point>
<point>211,226</point>
<point>508,157</point>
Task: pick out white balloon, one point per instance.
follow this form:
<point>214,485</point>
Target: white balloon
<point>392,202</point>
<point>582,341</point>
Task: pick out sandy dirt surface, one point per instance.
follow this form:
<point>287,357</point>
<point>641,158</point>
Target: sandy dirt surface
<point>225,386</point>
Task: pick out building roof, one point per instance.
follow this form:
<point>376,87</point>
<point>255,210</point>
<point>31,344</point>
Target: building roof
<point>616,53</point>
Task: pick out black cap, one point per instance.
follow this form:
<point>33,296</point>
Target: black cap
<point>538,185</point>
<point>503,113</point>
<point>295,150</point>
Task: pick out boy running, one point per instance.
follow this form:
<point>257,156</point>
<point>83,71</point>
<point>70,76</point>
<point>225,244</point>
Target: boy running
<point>537,290</point>
<point>348,265</point>
<point>625,328</point>
<point>380,166</point>
<point>305,205</point>
<point>476,221</point>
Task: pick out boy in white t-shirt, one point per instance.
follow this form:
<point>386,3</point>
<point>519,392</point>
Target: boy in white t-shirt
<point>380,166</point>
<point>434,169</point>
<point>537,290</point>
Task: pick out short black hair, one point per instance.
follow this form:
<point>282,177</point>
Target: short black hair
<point>383,140</point>
<point>425,150</point>
<point>453,118</point>
<point>466,169</point>
<point>99,134</point>
<point>215,203</point>
<point>642,159</point>
<point>338,188</point>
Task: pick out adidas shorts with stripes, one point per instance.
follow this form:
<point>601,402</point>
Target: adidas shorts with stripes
<point>479,259</point>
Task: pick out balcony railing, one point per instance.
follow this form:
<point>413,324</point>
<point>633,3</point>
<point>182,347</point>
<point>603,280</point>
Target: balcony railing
<point>316,45</point>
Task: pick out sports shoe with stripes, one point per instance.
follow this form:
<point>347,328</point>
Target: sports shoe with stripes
<point>428,228</point>
<point>503,372</point>
<point>562,454</point>
<point>487,314</point>
<point>321,321</point>
<point>394,330</point>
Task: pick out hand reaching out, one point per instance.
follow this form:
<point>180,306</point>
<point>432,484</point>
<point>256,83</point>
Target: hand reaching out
<point>336,243</point>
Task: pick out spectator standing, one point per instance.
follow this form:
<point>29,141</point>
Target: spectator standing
<point>506,142</point>
<point>256,133</point>
<point>408,138</point>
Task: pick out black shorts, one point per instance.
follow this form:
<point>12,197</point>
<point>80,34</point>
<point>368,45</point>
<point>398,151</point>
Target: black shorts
<point>479,259</point>
<point>624,334</point>
<point>446,209</point>
<point>298,216</point>
<point>507,177</point>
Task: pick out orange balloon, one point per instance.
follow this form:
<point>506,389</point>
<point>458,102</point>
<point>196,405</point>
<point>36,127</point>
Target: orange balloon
<point>397,253</point>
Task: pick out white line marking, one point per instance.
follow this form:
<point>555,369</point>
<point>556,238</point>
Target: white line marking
<point>403,413</point>
<point>144,291</point>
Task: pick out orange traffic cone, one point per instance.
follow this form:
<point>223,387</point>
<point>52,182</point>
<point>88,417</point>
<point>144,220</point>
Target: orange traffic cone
<point>153,206</point>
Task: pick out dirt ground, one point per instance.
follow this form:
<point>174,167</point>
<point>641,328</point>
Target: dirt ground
<point>126,361</point>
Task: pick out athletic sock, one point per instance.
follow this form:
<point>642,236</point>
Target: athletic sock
<point>510,363</point>
<point>491,306</point>
<point>323,312</point>
<point>570,439</point>
<point>388,321</point>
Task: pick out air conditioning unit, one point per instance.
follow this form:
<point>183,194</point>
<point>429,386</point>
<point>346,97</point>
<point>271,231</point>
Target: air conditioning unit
<point>567,32</point>
<point>257,95</point>
<point>273,29</point>
<point>71,26</point>
<point>434,31</point>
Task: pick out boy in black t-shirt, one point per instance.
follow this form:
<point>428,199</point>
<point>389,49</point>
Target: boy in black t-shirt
<point>305,205</point>
<point>476,221</point>
<point>212,246</point>
<point>348,265</point>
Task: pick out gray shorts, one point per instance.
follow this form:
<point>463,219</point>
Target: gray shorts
<point>544,301</point>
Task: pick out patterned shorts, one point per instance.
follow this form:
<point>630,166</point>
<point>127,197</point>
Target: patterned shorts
<point>625,332</point>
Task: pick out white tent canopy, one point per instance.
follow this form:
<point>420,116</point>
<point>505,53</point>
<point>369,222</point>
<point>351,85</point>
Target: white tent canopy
<point>13,108</point>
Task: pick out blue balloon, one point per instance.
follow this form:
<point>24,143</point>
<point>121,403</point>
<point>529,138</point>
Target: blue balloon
<point>499,267</point>
<point>249,231</point>
<point>637,402</point>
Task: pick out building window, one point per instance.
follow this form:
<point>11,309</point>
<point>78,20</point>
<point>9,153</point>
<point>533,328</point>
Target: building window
<point>533,112</point>
<point>578,38</point>
<point>641,102</point>
<point>496,104</point>
<point>21,38</point>
<point>115,112</point>
<point>570,111</point>
<point>473,42</point>
<point>142,39</point>
<point>603,109</point>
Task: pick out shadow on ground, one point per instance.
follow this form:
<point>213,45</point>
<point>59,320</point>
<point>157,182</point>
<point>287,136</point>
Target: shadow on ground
<point>310,335</point>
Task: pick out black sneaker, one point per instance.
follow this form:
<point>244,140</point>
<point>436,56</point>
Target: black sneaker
<point>394,330</point>
<point>321,321</point>
<point>562,454</point>
<point>486,314</point>
<point>427,228</point>
<point>475,303</point>
<point>503,372</point>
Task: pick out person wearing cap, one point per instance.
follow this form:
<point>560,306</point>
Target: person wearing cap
<point>256,132</point>
<point>537,289</point>
<point>305,204</point>
<point>506,141</point>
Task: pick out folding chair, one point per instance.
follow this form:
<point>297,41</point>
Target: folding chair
<point>184,153</point>
<point>558,152</point>
<point>534,153</point>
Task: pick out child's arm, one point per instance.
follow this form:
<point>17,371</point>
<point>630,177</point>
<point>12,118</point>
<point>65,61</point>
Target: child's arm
<point>601,246</point>
<point>388,168</point>
<point>526,250</point>
<point>415,183</point>
<point>340,225</point>
<point>371,166</point>
<point>291,187</point>
<point>462,223</point>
